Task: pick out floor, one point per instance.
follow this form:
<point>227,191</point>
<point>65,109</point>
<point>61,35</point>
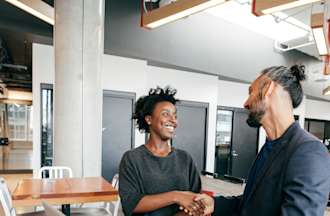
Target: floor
<point>219,187</point>
<point>16,157</point>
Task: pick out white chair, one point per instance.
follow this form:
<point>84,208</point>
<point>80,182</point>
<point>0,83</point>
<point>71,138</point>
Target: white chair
<point>50,210</point>
<point>6,202</point>
<point>113,206</point>
<point>5,199</point>
<point>108,209</point>
<point>55,172</point>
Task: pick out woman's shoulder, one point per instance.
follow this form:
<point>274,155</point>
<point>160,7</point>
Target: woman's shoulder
<point>135,152</point>
<point>182,153</point>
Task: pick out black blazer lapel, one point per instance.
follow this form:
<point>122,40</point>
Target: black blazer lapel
<point>273,155</point>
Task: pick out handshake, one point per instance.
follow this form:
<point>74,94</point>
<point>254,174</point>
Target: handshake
<point>195,204</point>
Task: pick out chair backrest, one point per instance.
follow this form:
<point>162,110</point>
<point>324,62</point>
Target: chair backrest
<point>5,199</point>
<point>55,172</point>
<point>114,208</point>
<point>115,181</point>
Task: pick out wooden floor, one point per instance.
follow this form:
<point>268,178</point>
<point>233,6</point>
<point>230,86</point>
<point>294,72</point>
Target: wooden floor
<point>218,186</point>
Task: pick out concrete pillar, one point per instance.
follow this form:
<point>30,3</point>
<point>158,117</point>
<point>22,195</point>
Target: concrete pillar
<point>78,41</point>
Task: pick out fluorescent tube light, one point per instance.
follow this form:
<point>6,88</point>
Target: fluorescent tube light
<point>317,25</point>
<point>175,11</point>
<point>262,7</point>
<point>320,41</point>
<point>326,91</point>
<point>37,8</point>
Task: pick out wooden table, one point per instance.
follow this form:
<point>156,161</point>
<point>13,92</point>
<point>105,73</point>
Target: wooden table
<point>32,192</point>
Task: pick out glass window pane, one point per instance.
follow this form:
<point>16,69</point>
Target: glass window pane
<point>46,126</point>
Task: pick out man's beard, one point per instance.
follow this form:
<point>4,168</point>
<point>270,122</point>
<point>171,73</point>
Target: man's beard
<point>256,115</point>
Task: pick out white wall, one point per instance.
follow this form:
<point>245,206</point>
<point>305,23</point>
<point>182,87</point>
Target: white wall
<point>42,72</point>
<point>123,74</point>
<point>228,89</point>
<point>317,109</point>
<point>130,75</point>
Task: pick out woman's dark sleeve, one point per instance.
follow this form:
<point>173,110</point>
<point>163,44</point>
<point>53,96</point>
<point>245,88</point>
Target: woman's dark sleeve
<point>194,177</point>
<point>129,187</point>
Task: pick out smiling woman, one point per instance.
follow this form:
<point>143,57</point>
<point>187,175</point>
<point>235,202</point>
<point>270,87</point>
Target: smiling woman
<point>155,179</point>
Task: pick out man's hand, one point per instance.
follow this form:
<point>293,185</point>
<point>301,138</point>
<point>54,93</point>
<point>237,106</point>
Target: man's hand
<point>207,201</point>
<point>187,203</point>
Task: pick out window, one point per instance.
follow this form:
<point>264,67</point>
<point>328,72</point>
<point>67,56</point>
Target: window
<point>46,124</point>
<point>320,129</point>
<point>19,122</point>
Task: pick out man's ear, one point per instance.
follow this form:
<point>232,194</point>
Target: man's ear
<point>269,88</point>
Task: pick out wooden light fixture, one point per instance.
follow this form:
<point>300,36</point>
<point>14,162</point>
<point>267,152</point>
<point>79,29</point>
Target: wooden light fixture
<point>262,7</point>
<point>37,8</point>
<point>326,68</point>
<point>326,91</point>
<point>317,25</point>
<point>175,11</point>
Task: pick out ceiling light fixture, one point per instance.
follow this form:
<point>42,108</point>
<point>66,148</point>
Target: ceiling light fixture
<point>326,91</point>
<point>262,7</point>
<point>317,25</point>
<point>37,8</point>
<point>175,11</point>
<point>326,68</point>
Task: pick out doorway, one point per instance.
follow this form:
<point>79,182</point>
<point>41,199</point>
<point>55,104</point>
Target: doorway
<point>236,143</point>
<point>191,133</point>
<point>117,129</point>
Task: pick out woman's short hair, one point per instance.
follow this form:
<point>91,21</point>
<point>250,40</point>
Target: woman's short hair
<point>145,105</point>
<point>289,79</point>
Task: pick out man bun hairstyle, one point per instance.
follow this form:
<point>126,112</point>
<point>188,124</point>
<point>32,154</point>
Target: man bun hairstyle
<point>289,79</point>
<point>299,72</point>
<point>145,105</point>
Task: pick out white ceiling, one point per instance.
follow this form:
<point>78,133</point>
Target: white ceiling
<point>295,26</point>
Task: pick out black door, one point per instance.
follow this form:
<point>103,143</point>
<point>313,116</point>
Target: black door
<point>191,132</point>
<point>236,143</point>
<point>244,145</point>
<point>118,131</point>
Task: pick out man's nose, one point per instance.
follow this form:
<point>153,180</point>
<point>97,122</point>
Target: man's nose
<point>246,104</point>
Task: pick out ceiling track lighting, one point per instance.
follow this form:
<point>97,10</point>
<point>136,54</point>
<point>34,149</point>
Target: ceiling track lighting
<point>36,8</point>
<point>319,34</point>
<point>174,11</point>
<point>263,7</point>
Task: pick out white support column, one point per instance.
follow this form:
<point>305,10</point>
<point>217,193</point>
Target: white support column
<point>78,40</point>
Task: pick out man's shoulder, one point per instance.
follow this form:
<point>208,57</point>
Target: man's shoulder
<point>309,149</point>
<point>306,140</point>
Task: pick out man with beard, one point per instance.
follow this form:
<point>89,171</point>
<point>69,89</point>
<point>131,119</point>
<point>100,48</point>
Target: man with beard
<point>291,174</point>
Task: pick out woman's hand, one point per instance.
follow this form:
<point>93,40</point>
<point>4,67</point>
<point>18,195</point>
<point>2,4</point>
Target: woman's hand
<point>187,203</point>
<point>206,201</point>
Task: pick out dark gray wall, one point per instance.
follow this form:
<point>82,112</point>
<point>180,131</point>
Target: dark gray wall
<point>15,19</point>
<point>200,42</point>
